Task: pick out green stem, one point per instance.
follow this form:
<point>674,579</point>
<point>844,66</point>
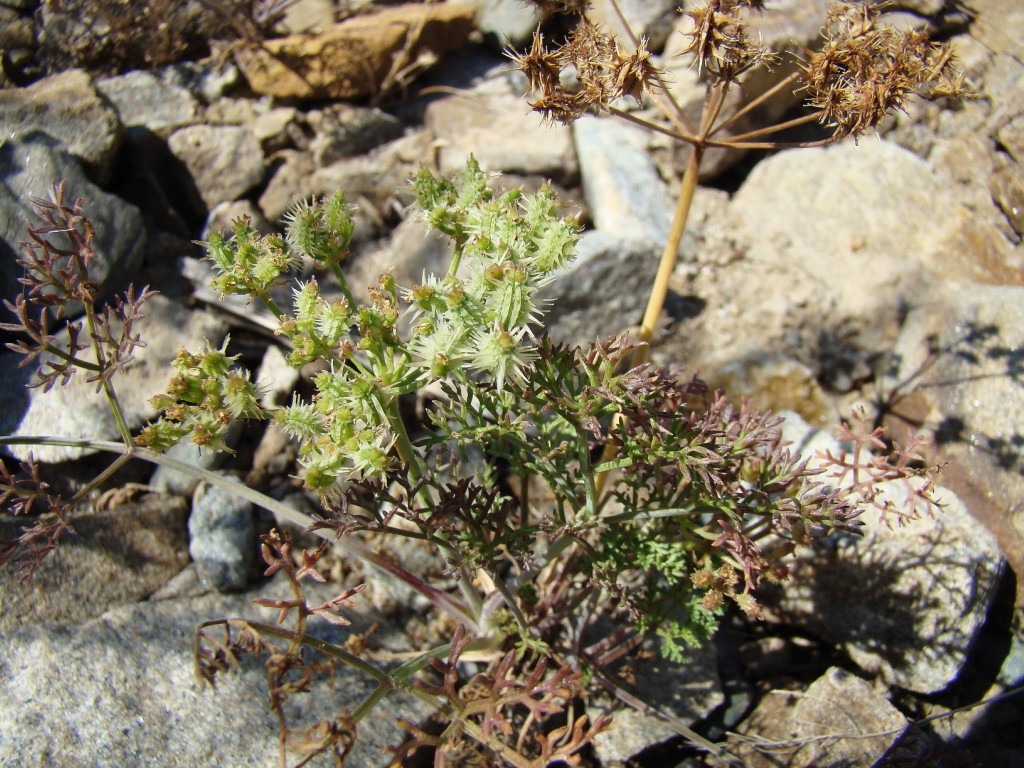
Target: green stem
<point>339,275</point>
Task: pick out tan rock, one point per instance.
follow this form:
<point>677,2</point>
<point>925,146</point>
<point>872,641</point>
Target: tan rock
<point>354,58</point>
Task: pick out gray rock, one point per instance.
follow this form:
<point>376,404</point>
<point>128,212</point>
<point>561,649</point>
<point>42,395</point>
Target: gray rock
<point>30,163</point>
<point>686,691</point>
<point>625,195</point>
<point>207,80</point>
<point>835,703</point>
<point>77,410</point>
<point>121,690</point>
<point>181,483</point>
<point>839,238</point>
<point>619,272</point>
<point>150,99</point>
<point>115,556</point>
<point>651,19</point>
<point>68,108</point>
<point>506,22</point>
<point>959,358</point>
<point>222,538</point>
<point>343,130</point>
<point>224,161</point>
<point>905,602</point>
<point>375,183</point>
<point>492,122</point>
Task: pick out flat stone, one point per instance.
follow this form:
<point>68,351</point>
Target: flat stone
<point>70,109</point>
<point>116,556</point>
<point>625,195</point>
<point>687,690</point>
<point>960,357</point>
<point>121,690</point>
<point>352,59</point>
<point>836,703</point>
<point>603,292</point>
<point>147,99</point>
<point>905,602</point>
<point>77,410</point>
<point>224,161</point>
<point>492,122</point>
<point>30,163</point>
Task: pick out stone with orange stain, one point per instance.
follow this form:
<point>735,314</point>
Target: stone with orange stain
<point>356,57</point>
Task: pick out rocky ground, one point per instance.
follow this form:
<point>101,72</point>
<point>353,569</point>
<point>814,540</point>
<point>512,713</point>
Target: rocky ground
<point>886,273</point>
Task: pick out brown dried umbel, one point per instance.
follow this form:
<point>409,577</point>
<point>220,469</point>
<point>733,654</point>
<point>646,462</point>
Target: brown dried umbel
<point>866,70</point>
<point>603,70</point>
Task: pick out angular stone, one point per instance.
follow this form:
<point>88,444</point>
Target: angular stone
<point>687,691</point>
<point>121,690</point>
<point>650,19</point>
<point>343,130</point>
<point>905,602</point>
<point>959,356</point>
<point>147,99</point>
<point>77,410</point>
<point>30,163</point>
<point>67,107</point>
<point>116,556</point>
<point>604,291</point>
<point>625,195</point>
<point>835,703</point>
<point>224,161</point>
<point>352,59</point>
<point>222,538</point>
<point>506,22</point>
<point>493,123</point>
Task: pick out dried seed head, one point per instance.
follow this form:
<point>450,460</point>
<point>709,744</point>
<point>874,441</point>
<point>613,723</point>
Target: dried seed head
<point>720,42</point>
<point>865,70</point>
<point>590,70</point>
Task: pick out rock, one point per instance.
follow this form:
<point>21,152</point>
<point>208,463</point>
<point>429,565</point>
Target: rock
<point>343,130</point>
<point>775,383</point>
<point>410,252</point>
<point>121,690</point>
<point>650,19</point>
<point>958,359</point>
<point>687,691</point>
<point>181,483</point>
<point>77,410</point>
<point>151,99</point>
<point>224,161</point>
<point>619,271</point>
<point>311,16</point>
<point>68,108</point>
<point>30,163</point>
<point>835,703</point>
<point>372,182</point>
<point>840,238</point>
<point>493,122</point>
<point>506,22</point>
<point>222,538</point>
<point>354,58</point>
<point>275,128</point>
<point>223,215</point>
<point>906,602</point>
<point>116,556</point>
<point>625,195</point>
